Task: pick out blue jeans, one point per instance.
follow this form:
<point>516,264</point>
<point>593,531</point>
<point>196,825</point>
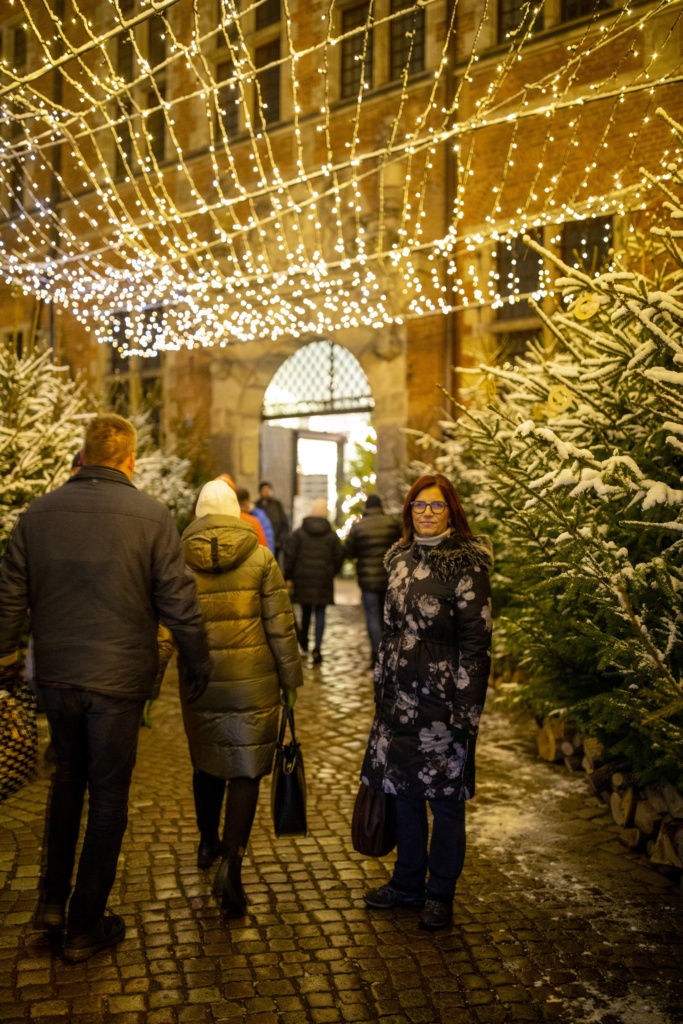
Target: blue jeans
<point>95,740</point>
<point>373,606</point>
<point>306,610</point>
<point>446,854</point>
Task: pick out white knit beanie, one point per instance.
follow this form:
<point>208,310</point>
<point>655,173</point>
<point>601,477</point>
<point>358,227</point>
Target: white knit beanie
<point>217,499</point>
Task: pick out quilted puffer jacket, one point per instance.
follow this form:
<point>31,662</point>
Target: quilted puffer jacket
<point>232,728</point>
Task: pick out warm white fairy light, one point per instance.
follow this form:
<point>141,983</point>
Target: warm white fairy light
<point>270,248</point>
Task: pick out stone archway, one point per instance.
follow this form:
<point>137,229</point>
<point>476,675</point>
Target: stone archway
<point>241,374</point>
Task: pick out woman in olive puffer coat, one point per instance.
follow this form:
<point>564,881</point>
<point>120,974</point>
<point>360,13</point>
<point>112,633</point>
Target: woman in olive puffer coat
<point>232,729</point>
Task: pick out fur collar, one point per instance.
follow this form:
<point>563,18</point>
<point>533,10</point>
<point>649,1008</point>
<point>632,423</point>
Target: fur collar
<point>451,558</point>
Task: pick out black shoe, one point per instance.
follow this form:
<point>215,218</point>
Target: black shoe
<point>386,897</point>
<point>317,656</point>
<point>436,915</point>
<point>228,885</point>
<point>109,931</point>
<point>50,916</point>
<point>207,853</point>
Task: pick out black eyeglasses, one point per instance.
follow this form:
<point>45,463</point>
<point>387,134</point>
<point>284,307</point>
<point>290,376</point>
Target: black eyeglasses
<point>435,506</point>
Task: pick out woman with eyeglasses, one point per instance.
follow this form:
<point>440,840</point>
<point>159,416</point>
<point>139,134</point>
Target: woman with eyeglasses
<point>430,686</point>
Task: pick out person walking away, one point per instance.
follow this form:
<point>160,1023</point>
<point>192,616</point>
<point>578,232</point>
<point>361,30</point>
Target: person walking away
<point>368,541</point>
<point>98,564</point>
<point>232,729</point>
<point>313,557</point>
<point>273,508</point>
<point>430,686</point>
<point>247,506</point>
<point>246,516</point>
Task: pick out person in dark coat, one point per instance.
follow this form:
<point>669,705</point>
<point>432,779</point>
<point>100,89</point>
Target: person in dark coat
<point>232,729</point>
<point>368,542</point>
<point>430,686</point>
<point>313,557</point>
<point>99,565</point>
<point>274,509</point>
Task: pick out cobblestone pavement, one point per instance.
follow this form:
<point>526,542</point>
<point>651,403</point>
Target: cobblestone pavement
<point>555,921</point>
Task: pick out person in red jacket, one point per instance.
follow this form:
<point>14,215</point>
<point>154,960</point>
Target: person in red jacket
<point>246,517</point>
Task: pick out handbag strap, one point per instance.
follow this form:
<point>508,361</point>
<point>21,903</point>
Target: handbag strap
<point>287,717</point>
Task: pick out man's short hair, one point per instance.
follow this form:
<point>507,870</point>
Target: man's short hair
<point>242,494</point>
<point>109,440</point>
<point>265,483</point>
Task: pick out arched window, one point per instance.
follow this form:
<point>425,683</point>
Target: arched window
<point>320,378</point>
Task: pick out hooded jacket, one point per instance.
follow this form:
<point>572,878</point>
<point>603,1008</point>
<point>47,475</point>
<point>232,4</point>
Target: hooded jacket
<point>313,557</point>
<point>232,728</point>
<point>432,670</point>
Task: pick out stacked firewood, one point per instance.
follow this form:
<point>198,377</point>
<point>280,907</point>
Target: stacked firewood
<point>650,818</point>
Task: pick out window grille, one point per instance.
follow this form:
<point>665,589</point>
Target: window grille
<point>512,14</point>
<point>407,39</point>
<point>352,66</point>
<point>19,47</point>
<point>319,378</point>
<point>228,97</point>
<point>519,273</point>
<point>269,80</point>
<point>267,13</point>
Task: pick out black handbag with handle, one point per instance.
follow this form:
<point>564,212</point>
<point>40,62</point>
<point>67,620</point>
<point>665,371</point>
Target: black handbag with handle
<point>288,792</point>
<point>373,826</point>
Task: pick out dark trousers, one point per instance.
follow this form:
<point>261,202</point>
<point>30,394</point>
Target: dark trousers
<point>95,740</point>
<point>306,611</point>
<point>240,808</point>
<point>446,853</point>
<point>373,606</point>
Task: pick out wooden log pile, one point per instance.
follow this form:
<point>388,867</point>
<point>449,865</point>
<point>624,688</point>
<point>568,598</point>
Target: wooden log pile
<point>650,818</point>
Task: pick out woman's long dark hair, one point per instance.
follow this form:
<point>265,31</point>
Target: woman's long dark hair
<point>457,520</point>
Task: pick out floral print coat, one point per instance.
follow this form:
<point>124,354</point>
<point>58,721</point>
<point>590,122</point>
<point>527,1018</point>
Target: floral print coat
<point>432,670</point>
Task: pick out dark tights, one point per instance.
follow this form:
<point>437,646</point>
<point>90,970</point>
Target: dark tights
<point>240,808</point>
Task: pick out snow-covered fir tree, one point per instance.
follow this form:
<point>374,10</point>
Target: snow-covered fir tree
<point>42,418</point>
<point>576,469</point>
<point>161,474</point>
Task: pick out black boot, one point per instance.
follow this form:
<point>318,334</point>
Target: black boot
<point>228,885</point>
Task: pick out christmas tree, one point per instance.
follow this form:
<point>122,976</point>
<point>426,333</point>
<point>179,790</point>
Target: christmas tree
<point>42,415</point>
<point>576,469</point>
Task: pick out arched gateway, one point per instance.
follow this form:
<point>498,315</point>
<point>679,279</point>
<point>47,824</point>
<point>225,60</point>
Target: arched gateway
<point>316,407</point>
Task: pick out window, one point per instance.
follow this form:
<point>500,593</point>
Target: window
<point>228,97</point>
<point>269,80</point>
<point>407,39</point>
<point>156,42</point>
<point>124,136</point>
<point>513,14</point>
<point>19,47</point>
<point>267,13</point>
<point>586,244</point>
<point>519,273</point>
<point>155,123</point>
<point>572,9</point>
<point>17,179</point>
<point>134,382</point>
<point>126,5</point>
<point>353,69</point>
<point>125,57</point>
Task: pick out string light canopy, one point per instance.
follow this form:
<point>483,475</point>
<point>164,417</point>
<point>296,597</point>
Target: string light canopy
<point>150,185</point>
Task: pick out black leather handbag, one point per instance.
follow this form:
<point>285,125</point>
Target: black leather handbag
<point>288,792</point>
<point>373,826</point>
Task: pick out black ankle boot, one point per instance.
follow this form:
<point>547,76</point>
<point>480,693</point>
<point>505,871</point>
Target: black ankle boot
<point>228,885</point>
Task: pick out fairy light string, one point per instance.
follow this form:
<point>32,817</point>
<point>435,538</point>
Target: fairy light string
<point>342,231</point>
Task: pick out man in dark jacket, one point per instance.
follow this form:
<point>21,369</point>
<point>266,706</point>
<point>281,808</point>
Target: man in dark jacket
<point>274,510</point>
<point>368,541</point>
<point>98,564</point>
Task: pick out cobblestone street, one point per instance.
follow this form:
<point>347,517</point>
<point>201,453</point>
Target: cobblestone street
<point>555,920</point>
